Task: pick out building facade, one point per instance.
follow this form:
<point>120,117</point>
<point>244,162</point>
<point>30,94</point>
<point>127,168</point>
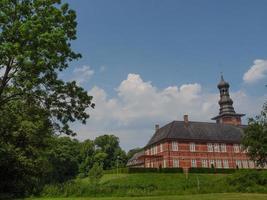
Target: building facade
<point>188,144</point>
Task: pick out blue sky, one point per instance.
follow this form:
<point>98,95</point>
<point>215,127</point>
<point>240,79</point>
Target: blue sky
<point>161,48</point>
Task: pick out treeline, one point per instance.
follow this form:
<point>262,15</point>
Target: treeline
<point>25,170</point>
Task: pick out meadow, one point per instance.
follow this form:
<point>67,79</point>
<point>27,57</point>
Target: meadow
<point>161,185</point>
<point>230,196</point>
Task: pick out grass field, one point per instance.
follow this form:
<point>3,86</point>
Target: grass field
<point>159,184</point>
<point>222,196</point>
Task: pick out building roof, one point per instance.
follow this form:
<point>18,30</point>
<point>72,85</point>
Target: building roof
<point>198,131</point>
<point>134,160</point>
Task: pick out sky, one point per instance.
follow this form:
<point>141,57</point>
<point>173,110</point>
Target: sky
<point>150,62</point>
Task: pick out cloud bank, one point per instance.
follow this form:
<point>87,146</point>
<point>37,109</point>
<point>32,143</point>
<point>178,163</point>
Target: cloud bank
<point>138,105</point>
<point>256,72</point>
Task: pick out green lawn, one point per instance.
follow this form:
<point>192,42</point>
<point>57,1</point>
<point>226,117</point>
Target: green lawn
<point>160,186</point>
<point>222,196</point>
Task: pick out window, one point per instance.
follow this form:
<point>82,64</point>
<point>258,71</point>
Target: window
<point>164,163</point>
<point>236,148</point>
<point>161,148</point>
<point>148,165</point>
<point>175,163</point>
<point>245,164</point>
<point>238,163</point>
<point>225,164</point>
<point>212,164</point>
<point>192,147</point>
<point>147,152</point>
<point>251,164</point>
<point>210,148</point>
<point>193,163</point>
<point>156,149</point>
<point>174,146</point>
<point>223,147</point>
<point>204,163</point>
<point>216,147</point>
<point>152,165</point>
<point>218,163</point>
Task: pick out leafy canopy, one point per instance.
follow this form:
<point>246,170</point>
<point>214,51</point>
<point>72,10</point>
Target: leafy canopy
<point>255,138</point>
<point>35,45</point>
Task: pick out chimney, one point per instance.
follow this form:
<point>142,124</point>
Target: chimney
<point>186,121</point>
<point>156,127</point>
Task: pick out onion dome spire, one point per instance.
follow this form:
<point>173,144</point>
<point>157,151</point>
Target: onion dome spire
<point>227,112</point>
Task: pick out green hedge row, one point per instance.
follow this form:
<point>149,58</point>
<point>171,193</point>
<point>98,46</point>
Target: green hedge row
<point>171,170</point>
<point>211,170</point>
<point>143,170</point>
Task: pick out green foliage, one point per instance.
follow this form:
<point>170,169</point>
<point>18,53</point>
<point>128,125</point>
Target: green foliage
<point>255,138</point>
<point>142,170</point>
<point>35,44</point>
<point>95,174</point>
<point>211,170</point>
<point>143,184</point>
<point>35,40</point>
<point>63,158</point>
<point>220,196</point>
<point>249,181</point>
<point>111,154</point>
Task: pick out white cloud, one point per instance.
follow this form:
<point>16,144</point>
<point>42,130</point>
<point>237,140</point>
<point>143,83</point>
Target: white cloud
<point>256,72</point>
<point>82,74</point>
<point>138,105</point>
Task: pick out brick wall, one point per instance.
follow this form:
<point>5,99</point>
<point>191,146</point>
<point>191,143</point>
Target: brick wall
<point>197,156</point>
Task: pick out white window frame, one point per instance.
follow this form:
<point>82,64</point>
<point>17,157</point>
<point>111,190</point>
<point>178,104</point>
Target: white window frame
<point>175,163</point>
<point>251,164</point>
<point>192,147</point>
<point>193,163</point>
<point>164,163</point>
<point>175,146</point>
<point>238,163</point>
<point>218,164</point>
<point>223,148</point>
<point>225,164</point>
<point>211,162</point>
<point>236,148</point>
<point>204,163</point>
<point>245,164</point>
<point>216,147</point>
<point>161,147</point>
<point>210,147</point>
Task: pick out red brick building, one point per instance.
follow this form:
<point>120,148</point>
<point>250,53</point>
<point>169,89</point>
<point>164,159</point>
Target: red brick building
<point>188,144</point>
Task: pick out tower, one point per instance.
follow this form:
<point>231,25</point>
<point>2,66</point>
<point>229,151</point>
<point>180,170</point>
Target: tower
<point>227,114</point>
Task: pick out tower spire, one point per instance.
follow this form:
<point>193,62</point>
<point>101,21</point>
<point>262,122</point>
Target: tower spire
<point>227,114</point>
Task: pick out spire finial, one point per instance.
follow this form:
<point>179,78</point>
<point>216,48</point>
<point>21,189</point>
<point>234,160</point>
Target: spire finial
<point>222,76</point>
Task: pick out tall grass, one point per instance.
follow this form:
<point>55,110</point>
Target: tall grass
<point>154,184</point>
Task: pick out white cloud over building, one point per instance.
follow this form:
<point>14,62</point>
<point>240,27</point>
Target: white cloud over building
<point>256,72</point>
<point>138,105</point>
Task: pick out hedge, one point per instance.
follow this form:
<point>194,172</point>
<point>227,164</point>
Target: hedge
<point>211,170</point>
<point>143,170</point>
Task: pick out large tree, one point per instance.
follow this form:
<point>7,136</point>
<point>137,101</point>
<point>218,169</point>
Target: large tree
<point>35,44</point>
<point>255,138</point>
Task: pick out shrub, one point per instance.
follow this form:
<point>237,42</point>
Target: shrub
<point>211,170</point>
<point>249,181</point>
<point>171,170</point>
<point>142,170</point>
